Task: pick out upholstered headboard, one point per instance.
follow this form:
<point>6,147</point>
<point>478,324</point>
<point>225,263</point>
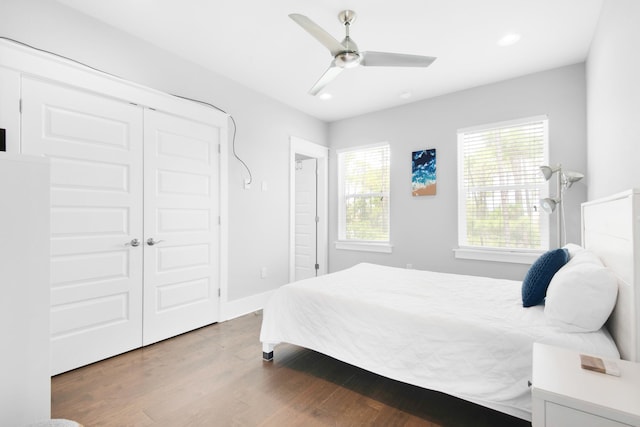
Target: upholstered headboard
<point>611,229</point>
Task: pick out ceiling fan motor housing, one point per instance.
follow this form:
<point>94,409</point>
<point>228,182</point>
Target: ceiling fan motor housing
<point>349,57</point>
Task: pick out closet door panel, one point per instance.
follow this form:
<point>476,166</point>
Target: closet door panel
<point>95,149</point>
<point>181,213</point>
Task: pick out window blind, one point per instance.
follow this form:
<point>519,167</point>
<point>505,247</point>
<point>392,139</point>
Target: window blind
<point>501,185</point>
<point>364,192</point>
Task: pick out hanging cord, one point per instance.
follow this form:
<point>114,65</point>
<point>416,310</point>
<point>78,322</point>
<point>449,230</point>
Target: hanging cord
<point>235,128</point>
<point>57,54</point>
<point>233,147</point>
<point>233,138</point>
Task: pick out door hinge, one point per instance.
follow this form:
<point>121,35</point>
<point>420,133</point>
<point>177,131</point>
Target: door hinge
<point>218,292</point>
<point>219,149</point>
<point>20,105</point>
<point>219,220</point>
<point>317,266</point>
<point>317,219</point>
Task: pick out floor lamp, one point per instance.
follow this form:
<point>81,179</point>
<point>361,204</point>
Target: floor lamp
<point>565,180</point>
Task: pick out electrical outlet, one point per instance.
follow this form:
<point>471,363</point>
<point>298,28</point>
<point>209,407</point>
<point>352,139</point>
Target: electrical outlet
<point>247,184</point>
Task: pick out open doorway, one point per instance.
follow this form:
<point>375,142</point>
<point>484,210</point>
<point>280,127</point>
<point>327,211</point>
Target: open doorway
<point>308,209</point>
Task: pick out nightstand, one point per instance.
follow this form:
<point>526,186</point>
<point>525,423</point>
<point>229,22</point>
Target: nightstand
<point>565,395</point>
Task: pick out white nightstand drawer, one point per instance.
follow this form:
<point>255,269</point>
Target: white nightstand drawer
<point>562,416</point>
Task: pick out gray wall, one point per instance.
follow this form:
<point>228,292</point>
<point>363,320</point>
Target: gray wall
<point>259,221</point>
<point>424,229</point>
<point>613,87</point>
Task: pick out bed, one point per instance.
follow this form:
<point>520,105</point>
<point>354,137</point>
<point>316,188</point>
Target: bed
<point>466,336</point>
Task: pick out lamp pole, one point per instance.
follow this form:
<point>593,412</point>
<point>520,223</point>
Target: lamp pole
<point>549,205</point>
<point>560,216</point>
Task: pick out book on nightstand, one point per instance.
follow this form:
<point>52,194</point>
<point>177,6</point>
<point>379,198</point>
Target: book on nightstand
<point>597,364</point>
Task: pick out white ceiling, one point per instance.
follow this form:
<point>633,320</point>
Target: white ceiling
<point>255,43</point>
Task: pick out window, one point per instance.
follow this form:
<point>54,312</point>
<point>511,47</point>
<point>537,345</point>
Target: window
<point>363,191</point>
<point>499,188</point>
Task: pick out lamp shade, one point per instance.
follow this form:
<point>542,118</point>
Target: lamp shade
<point>548,171</point>
<point>549,204</point>
<point>570,177</point>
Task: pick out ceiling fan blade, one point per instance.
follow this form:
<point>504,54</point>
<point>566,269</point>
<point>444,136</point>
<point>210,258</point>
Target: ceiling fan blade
<point>328,76</point>
<point>318,33</point>
<point>384,59</point>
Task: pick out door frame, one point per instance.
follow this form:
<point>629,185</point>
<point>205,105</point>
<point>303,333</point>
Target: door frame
<point>321,154</point>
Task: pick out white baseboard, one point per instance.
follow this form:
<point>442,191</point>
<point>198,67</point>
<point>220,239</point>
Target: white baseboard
<point>240,307</point>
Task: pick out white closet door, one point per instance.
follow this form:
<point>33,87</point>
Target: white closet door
<point>95,147</point>
<point>181,203</point>
<point>306,226</point>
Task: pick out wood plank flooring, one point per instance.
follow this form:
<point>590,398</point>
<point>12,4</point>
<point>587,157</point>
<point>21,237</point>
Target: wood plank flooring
<point>215,376</point>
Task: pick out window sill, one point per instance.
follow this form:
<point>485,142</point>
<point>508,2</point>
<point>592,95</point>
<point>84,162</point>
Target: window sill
<point>497,255</point>
<point>365,246</point>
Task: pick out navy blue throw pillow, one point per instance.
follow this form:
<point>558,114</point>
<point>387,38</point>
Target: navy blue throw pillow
<point>536,282</point>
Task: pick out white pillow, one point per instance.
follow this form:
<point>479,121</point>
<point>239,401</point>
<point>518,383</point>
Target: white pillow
<point>581,295</point>
<point>573,249</point>
<point>584,256</point>
<point>579,254</point>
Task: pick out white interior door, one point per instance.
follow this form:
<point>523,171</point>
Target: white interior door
<point>181,269</point>
<point>303,149</point>
<point>306,232</point>
<point>95,147</point>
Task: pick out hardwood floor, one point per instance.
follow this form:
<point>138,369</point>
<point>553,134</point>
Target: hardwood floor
<point>214,376</point>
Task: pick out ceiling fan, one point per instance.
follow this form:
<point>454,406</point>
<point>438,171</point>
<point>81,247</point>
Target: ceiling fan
<point>346,54</point>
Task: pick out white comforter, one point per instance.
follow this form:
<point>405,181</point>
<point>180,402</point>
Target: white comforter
<point>465,336</point>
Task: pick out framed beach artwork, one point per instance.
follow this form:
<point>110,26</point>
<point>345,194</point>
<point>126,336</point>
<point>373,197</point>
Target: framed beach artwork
<point>423,172</point>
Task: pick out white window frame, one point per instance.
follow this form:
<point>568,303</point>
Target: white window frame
<point>359,245</point>
<point>521,256</point>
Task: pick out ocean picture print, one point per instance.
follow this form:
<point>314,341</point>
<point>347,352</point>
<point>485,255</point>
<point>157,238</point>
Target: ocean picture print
<point>423,172</point>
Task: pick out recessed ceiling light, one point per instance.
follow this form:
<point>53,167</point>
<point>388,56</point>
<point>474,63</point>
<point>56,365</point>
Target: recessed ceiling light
<point>509,39</point>
<point>324,96</point>
<point>405,95</point>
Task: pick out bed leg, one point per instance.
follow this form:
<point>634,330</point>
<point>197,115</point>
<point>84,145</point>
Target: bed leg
<point>267,352</point>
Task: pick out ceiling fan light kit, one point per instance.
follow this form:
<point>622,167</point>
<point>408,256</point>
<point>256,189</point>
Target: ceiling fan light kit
<point>346,54</point>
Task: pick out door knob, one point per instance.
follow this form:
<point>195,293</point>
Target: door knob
<point>134,242</point>
<point>152,242</point>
